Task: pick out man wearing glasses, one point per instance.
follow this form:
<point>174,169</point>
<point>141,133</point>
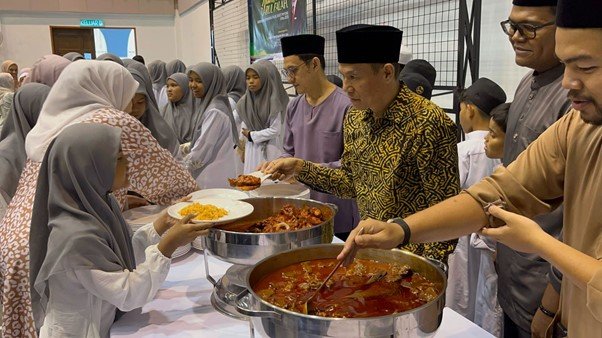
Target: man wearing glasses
<point>538,102</point>
<point>314,119</point>
<point>400,153</point>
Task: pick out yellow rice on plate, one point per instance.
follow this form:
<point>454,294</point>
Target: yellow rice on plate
<point>204,212</point>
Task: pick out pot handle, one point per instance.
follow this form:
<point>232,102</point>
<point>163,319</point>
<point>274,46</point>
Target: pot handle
<point>243,308</point>
<point>439,264</point>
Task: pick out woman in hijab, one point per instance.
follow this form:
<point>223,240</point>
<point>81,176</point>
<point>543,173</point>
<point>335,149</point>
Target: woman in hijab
<point>262,110</point>
<point>86,92</point>
<point>85,265</point>
<point>212,157</point>
<point>23,74</point>
<point>22,117</point>
<point>174,66</point>
<point>73,56</point>
<point>110,57</point>
<point>179,111</point>
<point>235,87</point>
<point>144,108</point>
<point>7,86</point>
<point>9,66</point>
<point>158,73</point>
<point>47,69</point>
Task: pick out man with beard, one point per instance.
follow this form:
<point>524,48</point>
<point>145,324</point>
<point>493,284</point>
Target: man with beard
<point>563,165</point>
<point>539,101</point>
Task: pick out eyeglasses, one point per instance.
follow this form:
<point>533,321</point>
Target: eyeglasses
<point>526,30</point>
<point>291,71</point>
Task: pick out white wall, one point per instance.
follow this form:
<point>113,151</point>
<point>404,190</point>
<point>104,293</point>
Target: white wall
<point>192,34</point>
<point>185,36</point>
<point>497,57</point>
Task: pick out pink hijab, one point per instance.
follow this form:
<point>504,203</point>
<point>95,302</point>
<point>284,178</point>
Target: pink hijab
<point>47,69</point>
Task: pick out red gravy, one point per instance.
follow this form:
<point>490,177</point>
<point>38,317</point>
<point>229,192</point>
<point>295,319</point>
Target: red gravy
<point>364,289</point>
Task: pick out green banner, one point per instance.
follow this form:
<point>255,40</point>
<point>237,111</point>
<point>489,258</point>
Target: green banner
<point>270,20</point>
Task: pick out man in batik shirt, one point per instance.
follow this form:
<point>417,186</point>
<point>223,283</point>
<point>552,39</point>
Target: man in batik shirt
<point>400,152</point>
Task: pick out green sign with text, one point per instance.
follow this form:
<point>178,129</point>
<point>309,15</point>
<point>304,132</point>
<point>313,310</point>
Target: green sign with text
<point>91,23</point>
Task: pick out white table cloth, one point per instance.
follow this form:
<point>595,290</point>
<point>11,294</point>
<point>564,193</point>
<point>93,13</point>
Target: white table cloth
<point>182,308</point>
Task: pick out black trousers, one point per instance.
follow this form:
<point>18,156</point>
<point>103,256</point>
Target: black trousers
<point>511,330</point>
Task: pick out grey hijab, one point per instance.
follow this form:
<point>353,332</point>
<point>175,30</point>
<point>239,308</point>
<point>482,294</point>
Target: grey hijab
<point>7,81</point>
<point>151,118</point>
<point>76,222</point>
<point>27,104</point>
<point>158,73</point>
<point>110,57</point>
<point>257,109</point>
<point>174,66</point>
<point>236,82</point>
<point>215,97</point>
<point>7,84</point>
<point>73,56</point>
<point>179,114</point>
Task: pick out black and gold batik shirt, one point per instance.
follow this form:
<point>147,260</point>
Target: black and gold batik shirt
<point>395,166</point>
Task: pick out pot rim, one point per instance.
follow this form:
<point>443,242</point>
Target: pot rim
<point>314,317</point>
<point>213,230</point>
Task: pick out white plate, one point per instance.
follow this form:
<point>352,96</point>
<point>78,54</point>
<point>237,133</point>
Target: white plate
<point>293,190</point>
<point>181,251</point>
<point>236,209</point>
<point>230,194</point>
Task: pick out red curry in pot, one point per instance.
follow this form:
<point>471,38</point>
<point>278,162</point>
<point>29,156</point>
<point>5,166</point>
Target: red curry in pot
<point>366,288</point>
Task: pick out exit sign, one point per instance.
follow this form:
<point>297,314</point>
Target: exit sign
<point>91,23</point>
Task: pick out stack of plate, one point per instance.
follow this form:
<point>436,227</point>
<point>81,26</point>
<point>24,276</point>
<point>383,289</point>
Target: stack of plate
<point>282,189</point>
<point>229,194</point>
<point>141,216</point>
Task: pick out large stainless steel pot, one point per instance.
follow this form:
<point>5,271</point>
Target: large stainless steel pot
<point>272,321</point>
<point>248,248</point>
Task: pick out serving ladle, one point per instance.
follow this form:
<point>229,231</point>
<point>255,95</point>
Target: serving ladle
<point>305,307</point>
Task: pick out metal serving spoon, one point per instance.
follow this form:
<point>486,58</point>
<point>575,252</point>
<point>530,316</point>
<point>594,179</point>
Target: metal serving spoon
<point>305,307</point>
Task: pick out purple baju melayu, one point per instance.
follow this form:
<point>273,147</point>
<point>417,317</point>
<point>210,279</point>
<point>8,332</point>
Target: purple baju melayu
<point>316,134</point>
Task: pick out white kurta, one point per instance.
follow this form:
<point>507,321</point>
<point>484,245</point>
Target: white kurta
<point>271,136</point>
<point>472,280</point>
<point>473,163</point>
<point>83,303</point>
<point>212,159</point>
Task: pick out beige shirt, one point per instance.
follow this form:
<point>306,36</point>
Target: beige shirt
<point>564,163</point>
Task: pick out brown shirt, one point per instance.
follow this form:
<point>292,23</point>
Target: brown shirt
<point>564,163</point>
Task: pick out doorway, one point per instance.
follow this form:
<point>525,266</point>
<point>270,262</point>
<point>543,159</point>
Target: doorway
<point>72,39</point>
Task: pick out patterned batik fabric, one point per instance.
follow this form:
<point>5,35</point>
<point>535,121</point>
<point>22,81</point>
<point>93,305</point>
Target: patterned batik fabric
<point>395,166</point>
<point>152,172</point>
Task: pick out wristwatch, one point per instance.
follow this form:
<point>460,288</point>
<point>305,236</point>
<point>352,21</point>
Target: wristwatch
<point>406,229</point>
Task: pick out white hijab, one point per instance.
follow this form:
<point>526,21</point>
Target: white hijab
<point>83,88</point>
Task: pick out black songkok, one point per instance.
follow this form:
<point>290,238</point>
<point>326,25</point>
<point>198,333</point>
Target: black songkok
<point>421,67</point>
<point>302,44</point>
<point>485,94</point>
<point>534,3</point>
<point>368,44</point>
<point>579,14</point>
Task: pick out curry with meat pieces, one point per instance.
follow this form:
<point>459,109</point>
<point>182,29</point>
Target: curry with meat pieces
<point>366,288</point>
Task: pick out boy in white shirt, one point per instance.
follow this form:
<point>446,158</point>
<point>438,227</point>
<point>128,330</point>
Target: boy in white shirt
<point>476,104</point>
